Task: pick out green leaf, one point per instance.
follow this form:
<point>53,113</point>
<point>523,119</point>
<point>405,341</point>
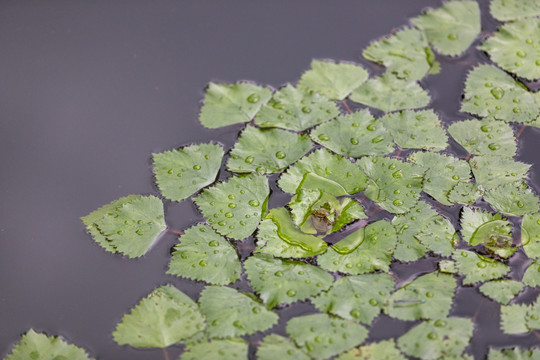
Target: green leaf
<point>335,81</point>
<point>513,354</point>
<point>465,193</point>
<point>231,313</point>
<point>393,184</point>
<point>513,319</point>
<point>226,349</point>
<point>489,91</point>
<point>161,319</point>
<point>38,346</point>
<point>227,104</point>
<point>404,53</point>
<point>294,109</point>
<point>451,28</point>
<point>377,241</point>
<point>501,291</point>
<point>439,236</point>
<point>532,274</point>
<point>354,135</point>
<point>437,339</point>
<point>278,347</point>
<point>267,150</point>
<point>336,170</point>
<point>205,256</point>
<point>322,336</point>
<point>476,267</point>
<point>447,266</point>
<point>416,130</point>
<point>530,235</point>
<point>278,281</point>
<point>234,208</point>
<point>513,199</point>
<point>493,171</point>
<point>442,174</point>
<point>484,137</point>
<point>480,227</point>
<point>426,297</point>
<point>359,298</point>
<point>133,227</point>
<point>504,10</point>
<point>383,350</point>
<point>388,94</point>
<point>181,173</point>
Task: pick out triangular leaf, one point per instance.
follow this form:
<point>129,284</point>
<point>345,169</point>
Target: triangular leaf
<point>501,291</point>
<point>226,349</point>
<point>278,347</point>
<point>504,10</point>
<point>383,350</point>
<point>513,199</point>
<point>476,267</point>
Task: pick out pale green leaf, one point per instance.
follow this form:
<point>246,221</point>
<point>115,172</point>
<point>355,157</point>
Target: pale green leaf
<point>351,210</point>
<point>532,274</point>
<point>513,199</point>
<point>161,319</point>
<point>501,291</point>
<point>335,81</point>
<point>513,319</point>
<point>383,350</point>
<point>513,354</point>
<point>267,150</point>
<point>37,346</point>
<point>227,104</point>
<point>278,347</point>
<point>354,135</point>
<point>294,109</point>
<point>530,235</point>
<point>234,208</point>
<point>322,336</point>
<point>231,313</point>
<point>447,266</point>
<point>466,193</point>
<point>481,227</point>
<point>222,349</point>
<point>439,236</point>
<point>451,28</point>
<point>359,298</point>
<point>504,10</point>
<point>205,256</point>
<point>493,171</point>
<point>476,267</point>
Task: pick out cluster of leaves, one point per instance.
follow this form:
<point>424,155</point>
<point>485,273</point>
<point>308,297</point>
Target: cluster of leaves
<point>349,282</point>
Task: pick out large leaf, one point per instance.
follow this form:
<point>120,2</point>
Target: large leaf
<point>161,319</point>
<point>278,347</point>
<point>383,350</point>
<point>504,10</point>
<point>335,81</point>
<point>354,135</point>
<point>493,171</point>
<point>227,104</point>
<point>38,346</point>
<point>513,354</point>
<point>476,267</point>
<point>294,109</point>
<point>513,319</point>
<point>451,28</point>
<point>206,256</point>
<point>181,173</point>
<point>484,137</point>
<point>501,291</point>
<point>234,208</point>
<point>532,274</point>
<point>322,336</point>
<point>513,199</point>
<point>530,235</point>
<point>267,150</point>
<point>226,349</point>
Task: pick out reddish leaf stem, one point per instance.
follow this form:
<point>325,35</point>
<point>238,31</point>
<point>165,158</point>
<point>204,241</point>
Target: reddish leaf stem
<point>520,131</point>
<point>172,231</point>
<point>467,157</point>
<point>165,354</point>
<point>399,152</point>
<point>347,106</point>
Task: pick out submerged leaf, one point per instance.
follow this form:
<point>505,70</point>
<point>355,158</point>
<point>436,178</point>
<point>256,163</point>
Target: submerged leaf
<point>513,354</point>
<point>383,350</point>
<point>530,235</point>
<point>493,171</point>
<point>513,199</point>
<point>504,10</point>
<point>501,291</point>
<point>278,347</point>
<point>476,267</point>
<point>226,349</point>
<point>484,137</point>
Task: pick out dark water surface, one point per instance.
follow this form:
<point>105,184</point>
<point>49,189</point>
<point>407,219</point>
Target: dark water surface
<point>88,90</point>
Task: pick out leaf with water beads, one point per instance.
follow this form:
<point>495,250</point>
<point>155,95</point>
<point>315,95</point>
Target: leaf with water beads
<point>335,81</point>
<point>267,150</point>
<point>493,171</point>
<point>476,267</point>
<point>161,319</point>
<point>484,137</point>
<point>231,313</point>
<point>451,28</point>
<point>393,184</point>
<point>408,247</point>
<point>334,169</point>
<point>530,235</point>
<point>466,193</point>
<point>358,298</point>
<point>354,135</point>
<point>205,256</point>
<point>477,226</point>
<point>222,349</point>
<point>437,339</point>
<point>278,281</point>
<point>234,208</point>
<point>513,199</point>
<point>296,109</point>
<point>382,350</point>
<point>489,91</point>
<point>37,346</point>
<point>275,346</point>
<point>447,266</point>
<point>323,336</point>
<point>504,10</point>
<point>501,291</point>
<point>388,93</point>
<point>181,173</point>
<point>532,274</point>
<point>513,354</point>
<point>439,235</point>
<point>416,130</point>
<point>227,104</point>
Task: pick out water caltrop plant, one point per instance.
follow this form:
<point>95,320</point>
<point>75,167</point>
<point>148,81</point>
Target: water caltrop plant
<point>367,189</point>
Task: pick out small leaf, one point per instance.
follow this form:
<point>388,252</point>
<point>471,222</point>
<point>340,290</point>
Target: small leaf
<point>514,354</point>
<point>382,350</point>
<point>530,235</point>
<point>465,193</point>
<point>501,291</point>
<point>358,298</point>
<point>532,274</point>
<point>451,28</point>
<point>294,109</point>
<point>335,81</point>
<point>504,10</point>
<point>354,135</point>
<point>476,267</point>
<point>231,313</point>
<point>437,339</point>
<point>161,319</point>
<point>513,199</point>
<point>513,319</point>
<point>447,267</point>
<point>416,130</point>
<point>322,336</point>
<point>267,150</point>
<point>38,346</point>
<point>279,281</point>
<point>388,94</point>
<point>205,256</point>
<point>226,349</point>
<point>234,208</point>
<point>227,104</point>
<point>493,171</point>
<point>278,347</point>
<point>181,173</point>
